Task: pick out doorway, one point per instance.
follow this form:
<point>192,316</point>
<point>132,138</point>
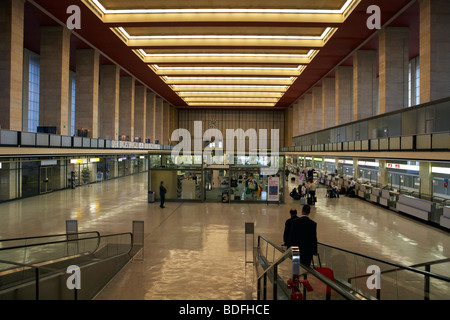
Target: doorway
<point>216,184</point>
<point>45,180</point>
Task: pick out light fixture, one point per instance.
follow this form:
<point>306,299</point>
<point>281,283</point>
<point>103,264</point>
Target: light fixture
<point>440,170</point>
<point>220,36</point>
<point>231,70</point>
<point>229,94</point>
<point>230,104</point>
<point>238,55</point>
<point>226,88</point>
<point>156,67</point>
<point>229,80</point>
<point>221,10</point>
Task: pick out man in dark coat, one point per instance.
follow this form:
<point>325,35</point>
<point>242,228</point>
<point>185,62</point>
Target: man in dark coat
<point>288,224</point>
<point>162,193</point>
<point>303,234</point>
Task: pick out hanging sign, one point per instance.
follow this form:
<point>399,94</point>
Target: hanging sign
<point>273,189</point>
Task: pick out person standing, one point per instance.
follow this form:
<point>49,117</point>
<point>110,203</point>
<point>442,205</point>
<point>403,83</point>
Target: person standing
<point>162,194</point>
<point>303,234</point>
<point>288,224</point>
<point>312,191</point>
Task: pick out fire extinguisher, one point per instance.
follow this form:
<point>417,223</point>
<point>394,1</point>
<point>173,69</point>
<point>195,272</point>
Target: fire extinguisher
<point>295,286</point>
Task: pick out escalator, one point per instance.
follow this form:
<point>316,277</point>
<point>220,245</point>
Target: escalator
<point>37,267</point>
<point>338,274</point>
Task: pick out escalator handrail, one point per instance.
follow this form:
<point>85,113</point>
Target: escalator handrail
<point>279,248</point>
<point>288,254</point>
<point>425,273</point>
<point>397,265</point>
<point>31,265</point>
<point>119,234</point>
<point>56,242</point>
<point>48,236</point>
<point>415,266</point>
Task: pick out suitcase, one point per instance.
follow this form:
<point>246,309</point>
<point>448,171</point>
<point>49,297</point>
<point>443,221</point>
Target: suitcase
<point>302,201</point>
<point>327,272</point>
<point>311,201</point>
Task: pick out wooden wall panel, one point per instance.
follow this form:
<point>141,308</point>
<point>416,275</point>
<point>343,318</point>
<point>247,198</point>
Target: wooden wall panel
<point>235,119</point>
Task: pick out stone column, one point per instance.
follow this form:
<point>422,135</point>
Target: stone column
<point>140,111</point>
<point>308,113</point>
<point>11,63</point>
<point>302,116</point>
<point>383,178</point>
<point>344,95</point>
<point>54,81</point>
<point>426,178</point>
<point>328,103</point>
<point>288,114</point>
<point>126,108</point>
<point>355,169</point>
<point>434,50</point>
<point>159,120</point>
<point>87,88</point>
<point>173,121</point>
<point>393,68</point>
<point>166,121</point>
<point>364,83</point>
<point>296,119</point>
<point>150,115</point>
<point>109,101</point>
<point>316,110</point>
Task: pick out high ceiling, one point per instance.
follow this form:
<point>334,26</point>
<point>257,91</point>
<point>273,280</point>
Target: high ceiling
<point>233,53</point>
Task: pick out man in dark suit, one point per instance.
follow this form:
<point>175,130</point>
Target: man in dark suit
<point>303,234</point>
<point>162,193</point>
<point>288,224</point>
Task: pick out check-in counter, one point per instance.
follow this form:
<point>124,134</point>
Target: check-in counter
<point>445,218</point>
<point>375,195</point>
<point>365,190</point>
<point>389,199</point>
<point>384,198</point>
<point>416,207</point>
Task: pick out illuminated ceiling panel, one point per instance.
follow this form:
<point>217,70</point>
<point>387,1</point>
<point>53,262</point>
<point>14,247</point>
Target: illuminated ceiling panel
<point>328,11</point>
<point>227,53</point>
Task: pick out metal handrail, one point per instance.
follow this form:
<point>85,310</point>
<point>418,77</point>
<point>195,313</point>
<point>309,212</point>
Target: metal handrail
<point>53,242</point>
<point>48,236</point>
<point>59,271</point>
<point>121,234</point>
<point>425,273</point>
<point>289,254</point>
<point>37,272</point>
<point>423,264</point>
<point>427,276</point>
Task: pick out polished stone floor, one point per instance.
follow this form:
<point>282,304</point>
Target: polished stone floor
<point>196,250</point>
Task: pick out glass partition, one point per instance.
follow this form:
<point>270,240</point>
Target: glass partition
<point>33,253</point>
<point>395,282</point>
<point>404,182</point>
<point>422,119</point>
<point>338,274</point>
<point>215,177</point>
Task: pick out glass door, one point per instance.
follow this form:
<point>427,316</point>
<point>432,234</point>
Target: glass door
<point>45,180</point>
<point>216,185</point>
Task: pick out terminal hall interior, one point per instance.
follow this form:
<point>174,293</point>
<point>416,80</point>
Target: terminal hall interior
<point>151,145</point>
